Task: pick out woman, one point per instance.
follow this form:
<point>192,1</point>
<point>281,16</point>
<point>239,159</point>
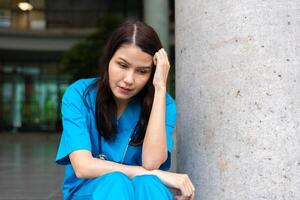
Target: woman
<point>117,128</point>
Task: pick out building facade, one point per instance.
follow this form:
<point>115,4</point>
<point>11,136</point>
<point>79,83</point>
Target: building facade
<point>33,38</point>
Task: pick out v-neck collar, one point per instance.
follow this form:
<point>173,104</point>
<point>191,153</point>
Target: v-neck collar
<point>129,116</point>
<point>126,109</point>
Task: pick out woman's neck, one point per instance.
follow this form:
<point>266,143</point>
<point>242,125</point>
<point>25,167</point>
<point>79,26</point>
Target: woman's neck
<point>121,106</point>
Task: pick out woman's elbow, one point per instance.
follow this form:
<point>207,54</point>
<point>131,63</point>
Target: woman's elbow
<point>81,168</point>
<point>80,172</point>
<point>150,166</point>
<point>80,161</point>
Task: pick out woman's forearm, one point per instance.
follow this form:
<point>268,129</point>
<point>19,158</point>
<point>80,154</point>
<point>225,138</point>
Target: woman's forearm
<point>95,167</point>
<point>155,146</point>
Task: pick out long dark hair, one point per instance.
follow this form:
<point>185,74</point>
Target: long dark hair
<point>144,37</point>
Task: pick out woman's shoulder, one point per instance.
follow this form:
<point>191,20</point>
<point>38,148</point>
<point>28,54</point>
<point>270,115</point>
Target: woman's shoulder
<point>82,84</point>
<point>170,99</point>
<point>78,88</point>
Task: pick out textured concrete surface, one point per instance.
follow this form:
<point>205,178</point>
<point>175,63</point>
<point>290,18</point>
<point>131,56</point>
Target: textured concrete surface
<point>238,97</point>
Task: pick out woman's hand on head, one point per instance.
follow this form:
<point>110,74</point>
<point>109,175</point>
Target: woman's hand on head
<point>178,181</point>
<point>161,61</point>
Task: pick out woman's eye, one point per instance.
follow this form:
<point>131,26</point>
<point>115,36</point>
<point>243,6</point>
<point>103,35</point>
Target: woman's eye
<point>143,71</point>
<point>122,65</point>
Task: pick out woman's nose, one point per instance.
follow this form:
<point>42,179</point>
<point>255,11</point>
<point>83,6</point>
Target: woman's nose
<point>129,78</point>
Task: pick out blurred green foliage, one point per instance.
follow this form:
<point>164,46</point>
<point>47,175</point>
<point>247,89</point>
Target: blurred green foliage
<point>82,60</point>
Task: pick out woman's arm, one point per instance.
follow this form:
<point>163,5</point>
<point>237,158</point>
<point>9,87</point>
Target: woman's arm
<point>86,166</point>
<point>155,150</point>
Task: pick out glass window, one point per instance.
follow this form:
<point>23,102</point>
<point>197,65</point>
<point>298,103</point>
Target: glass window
<point>4,14</point>
<point>12,16</point>
<point>4,18</point>
<point>31,97</point>
<point>37,20</point>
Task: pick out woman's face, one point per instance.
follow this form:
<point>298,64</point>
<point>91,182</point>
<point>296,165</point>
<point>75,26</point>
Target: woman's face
<point>128,71</point>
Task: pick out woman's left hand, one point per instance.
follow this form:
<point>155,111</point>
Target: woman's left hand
<point>181,182</point>
<point>161,61</point>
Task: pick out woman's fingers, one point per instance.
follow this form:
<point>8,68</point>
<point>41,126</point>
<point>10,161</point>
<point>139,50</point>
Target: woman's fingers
<point>162,68</point>
<point>177,197</point>
<point>163,62</point>
<point>193,196</point>
<point>192,186</point>
<point>180,182</point>
<point>161,57</point>
<point>187,188</point>
<point>165,56</point>
<point>184,192</point>
<point>192,190</point>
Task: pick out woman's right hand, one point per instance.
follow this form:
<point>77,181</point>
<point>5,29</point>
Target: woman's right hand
<point>178,181</point>
<point>160,59</point>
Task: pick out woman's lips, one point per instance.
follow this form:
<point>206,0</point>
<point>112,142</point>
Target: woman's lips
<point>124,90</point>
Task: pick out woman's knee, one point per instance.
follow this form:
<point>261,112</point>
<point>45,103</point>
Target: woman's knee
<point>108,186</point>
<point>150,187</point>
<point>116,176</point>
<point>115,182</point>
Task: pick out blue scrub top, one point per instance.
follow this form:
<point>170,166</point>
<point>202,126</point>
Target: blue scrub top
<point>80,132</point>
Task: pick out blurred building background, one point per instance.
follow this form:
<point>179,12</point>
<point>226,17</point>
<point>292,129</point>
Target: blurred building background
<point>35,35</point>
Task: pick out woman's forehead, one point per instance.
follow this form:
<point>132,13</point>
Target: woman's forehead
<point>134,55</point>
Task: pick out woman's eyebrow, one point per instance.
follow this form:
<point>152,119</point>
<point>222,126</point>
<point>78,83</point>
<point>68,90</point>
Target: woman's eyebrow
<point>124,60</point>
<point>144,67</point>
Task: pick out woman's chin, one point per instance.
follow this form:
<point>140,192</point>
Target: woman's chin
<point>122,97</point>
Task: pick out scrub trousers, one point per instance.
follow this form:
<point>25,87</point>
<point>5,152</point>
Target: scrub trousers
<point>117,186</point>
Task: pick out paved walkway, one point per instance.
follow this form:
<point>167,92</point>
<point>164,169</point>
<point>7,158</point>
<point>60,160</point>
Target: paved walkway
<point>27,167</point>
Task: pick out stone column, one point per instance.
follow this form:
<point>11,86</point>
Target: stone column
<point>238,98</point>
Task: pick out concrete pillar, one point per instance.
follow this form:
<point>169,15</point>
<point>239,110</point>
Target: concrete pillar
<point>156,14</point>
<point>238,98</point>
